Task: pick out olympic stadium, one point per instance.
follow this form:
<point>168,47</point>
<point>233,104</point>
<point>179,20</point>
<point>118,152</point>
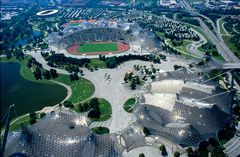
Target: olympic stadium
<point>83,38</point>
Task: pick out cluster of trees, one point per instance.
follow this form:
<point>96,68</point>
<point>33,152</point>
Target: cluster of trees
<point>50,74</point>
<point>72,68</point>
<point>93,105</point>
<point>134,80</point>
<point>32,61</point>
<point>112,62</point>
<point>62,59</point>
<point>33,118</point>
<point>162,148</point>
<point>177,42</point>
<point>217,10</point>
<point>20,29</point>
<point>38,74</point>
<point>186,17</point>
<point>211,15</point>
<point>141,155</point>
<point>169,49</point>
<point>210,49</point>
<point>176,67</point>
<point>67,104</point>
<point>74,77</point>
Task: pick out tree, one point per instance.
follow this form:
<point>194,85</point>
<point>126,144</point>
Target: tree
<point>67,104</point>
<point>137,80</point>
<point>111,62</point>
<point>32,121</point>
<point>126,77</point>
<point>162,148</point>
<point>94,114</point>
<point>47,75</point>
<point>37,74</point>
<point>94,103</point>
<point>42,114</point>
<point>53,73</point>
<point>33,118</point>
<point>133,84</point>
<point>176,154</point>
<point>190,152</point>
<point>141,155</point>
<point>153,77</point>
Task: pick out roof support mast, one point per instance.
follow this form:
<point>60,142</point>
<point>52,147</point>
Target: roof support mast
<point>3,145</point>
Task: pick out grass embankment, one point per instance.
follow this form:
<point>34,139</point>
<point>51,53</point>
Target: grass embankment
<point>17,124</point>
<point>96,62</point>
<point>183,48</point>
<point>81,89</point>
<point>221,25</point>
<point>231,45</point>
<point>129,104</point>
<point>24,119</point>
<point>104,107</point>
<point>98,47</point>
<point>100,130</point>
<point>199,30</point>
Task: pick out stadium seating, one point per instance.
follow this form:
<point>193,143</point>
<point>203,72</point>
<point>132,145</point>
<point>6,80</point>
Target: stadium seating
<point>94,35</point>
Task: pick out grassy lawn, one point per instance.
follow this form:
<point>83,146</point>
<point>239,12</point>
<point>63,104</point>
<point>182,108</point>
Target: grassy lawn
<point>23,119</point>
<point>105,109</point>
<point>81,89</point>
<point>98,63</point>
<point>219,57</point>
<point>129,104</point>
<point>160,34</point>
<point>17,124</point>
<point>227,41</point>
<point>98,47</point>
<point>198,29</point>
<point>221,26</point>
<point>100,130</point>
<point>182,49</point>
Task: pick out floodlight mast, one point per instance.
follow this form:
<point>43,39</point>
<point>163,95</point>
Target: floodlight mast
<point>3,145</point>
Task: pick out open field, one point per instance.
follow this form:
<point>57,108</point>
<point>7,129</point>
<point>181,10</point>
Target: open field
<point>129,104</point>
<point>81,89</point>
<point>98,48</point>
<point>105,109</point>
<point>100,130</point>
<point>231,45</point>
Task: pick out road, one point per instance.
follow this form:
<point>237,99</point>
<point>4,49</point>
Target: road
<point>215,39</point>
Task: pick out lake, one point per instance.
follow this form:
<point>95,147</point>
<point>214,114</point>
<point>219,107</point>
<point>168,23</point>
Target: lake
<point>27,96</point>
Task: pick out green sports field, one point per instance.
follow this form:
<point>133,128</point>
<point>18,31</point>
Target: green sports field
<point>97,47</point>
